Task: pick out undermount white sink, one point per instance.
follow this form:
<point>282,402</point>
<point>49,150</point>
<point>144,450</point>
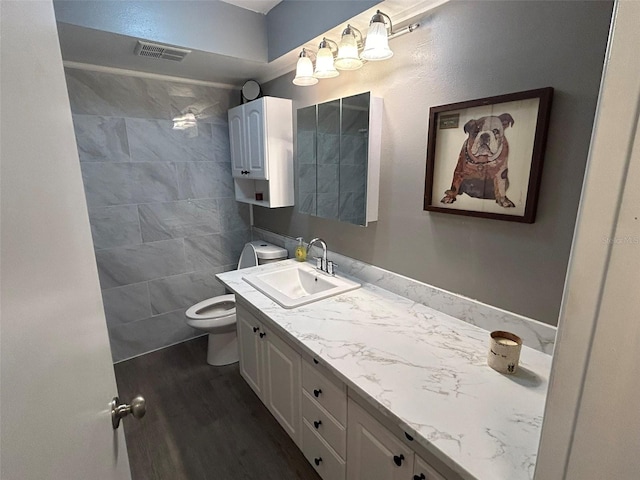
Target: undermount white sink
<point>298,285</point>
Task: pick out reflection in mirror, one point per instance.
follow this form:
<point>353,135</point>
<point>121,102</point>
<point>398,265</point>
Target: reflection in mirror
<point>354,139</point>
<point>334,161</point>
<point>328,152</point>
<point>307,160</point>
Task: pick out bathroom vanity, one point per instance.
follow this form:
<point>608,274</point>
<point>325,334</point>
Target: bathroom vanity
<point>372,385</point>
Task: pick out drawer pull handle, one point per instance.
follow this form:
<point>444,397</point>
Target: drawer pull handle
<point>255,329</point>
<point>262,334</point>
<point>409,437</point>
<point>317,461</point>
<point>317,392</point>
<point>397,459</point>
<point>315,360</point>
<point>419,477</point>
<point>317,424</point>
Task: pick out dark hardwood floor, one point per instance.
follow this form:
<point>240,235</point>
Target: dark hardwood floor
<point>202,422</point>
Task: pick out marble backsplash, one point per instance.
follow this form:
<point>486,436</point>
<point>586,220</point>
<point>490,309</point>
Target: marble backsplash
<point>534,334</point>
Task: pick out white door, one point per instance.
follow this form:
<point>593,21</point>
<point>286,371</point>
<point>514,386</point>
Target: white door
<point>373,452</point>
<point>283,388</point>
<point>57,375</point>
<point>236,141</point>
<point>254,122</point>
<point>423,471</point>
<point>250,345</point>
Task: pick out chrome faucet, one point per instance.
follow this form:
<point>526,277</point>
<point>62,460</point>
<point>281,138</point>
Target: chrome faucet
<point>321,262</point>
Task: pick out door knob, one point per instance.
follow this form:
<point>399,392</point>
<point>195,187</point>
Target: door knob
<point>119,410</point>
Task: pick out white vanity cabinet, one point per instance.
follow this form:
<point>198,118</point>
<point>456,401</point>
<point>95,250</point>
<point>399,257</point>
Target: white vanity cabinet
<point>324,412</point>
<point>250,349</point>
<point>423,471</point>
<point>272,369</point>
<point>261,142</point>
<point>373,452</point>
<point>338,437</point>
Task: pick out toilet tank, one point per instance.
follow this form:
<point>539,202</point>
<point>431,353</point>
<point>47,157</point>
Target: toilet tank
<point>267,252</point>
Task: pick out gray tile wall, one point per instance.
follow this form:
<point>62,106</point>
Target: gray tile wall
<point>161,203</point>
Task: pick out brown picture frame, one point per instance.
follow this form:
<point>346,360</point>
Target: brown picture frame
<point>479,173</point>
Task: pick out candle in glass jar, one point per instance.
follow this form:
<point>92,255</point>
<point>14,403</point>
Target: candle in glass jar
<point>505,341</point>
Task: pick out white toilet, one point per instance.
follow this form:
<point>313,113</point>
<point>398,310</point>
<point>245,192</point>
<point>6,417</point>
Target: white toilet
<point>217,315</point>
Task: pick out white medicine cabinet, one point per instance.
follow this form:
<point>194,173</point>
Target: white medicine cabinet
<point>261,140</point>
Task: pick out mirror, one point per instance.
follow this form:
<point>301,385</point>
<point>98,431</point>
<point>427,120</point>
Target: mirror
<point>335,159</point>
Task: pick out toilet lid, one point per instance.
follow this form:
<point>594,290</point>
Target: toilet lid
<point>248,258</point>
<point>216,307</point>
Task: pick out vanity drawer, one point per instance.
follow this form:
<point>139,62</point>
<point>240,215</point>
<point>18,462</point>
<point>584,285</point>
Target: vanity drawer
<point>325,391</point>
<point>327,426</point>
<point>326,462</point>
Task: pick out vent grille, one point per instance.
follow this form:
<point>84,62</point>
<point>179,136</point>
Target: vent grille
<point>156,50</point>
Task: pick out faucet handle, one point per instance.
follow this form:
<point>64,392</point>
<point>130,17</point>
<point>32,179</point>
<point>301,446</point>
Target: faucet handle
<point>331,267</point>
<point>318,262</point>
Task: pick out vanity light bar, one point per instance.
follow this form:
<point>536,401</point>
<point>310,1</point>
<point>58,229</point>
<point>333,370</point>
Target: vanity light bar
<point>352,52</point>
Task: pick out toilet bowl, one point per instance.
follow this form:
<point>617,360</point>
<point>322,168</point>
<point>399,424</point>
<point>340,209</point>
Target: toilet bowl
<point>217,315</point>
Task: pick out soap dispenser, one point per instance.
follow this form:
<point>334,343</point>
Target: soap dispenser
<point>301,251</point>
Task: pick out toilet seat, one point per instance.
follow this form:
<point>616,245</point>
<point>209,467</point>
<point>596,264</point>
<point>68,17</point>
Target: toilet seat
<point>215,308</point>
<point>216,316</point>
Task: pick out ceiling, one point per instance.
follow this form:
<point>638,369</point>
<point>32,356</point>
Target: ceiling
<point>260,6</point>
<point>86,47</point>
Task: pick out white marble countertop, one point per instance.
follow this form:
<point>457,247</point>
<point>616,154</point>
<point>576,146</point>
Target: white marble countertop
<point>424,370</point>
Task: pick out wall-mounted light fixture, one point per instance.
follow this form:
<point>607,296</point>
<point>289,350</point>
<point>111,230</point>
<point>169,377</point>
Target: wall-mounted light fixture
<point>350,44</point>
<point>325,67</point>
<point>352,52</point>
<point>304,70</point>
<point>377,44</point>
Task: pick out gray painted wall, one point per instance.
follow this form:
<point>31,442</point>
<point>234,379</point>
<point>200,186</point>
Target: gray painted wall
<point>463,51</point>
<point>292,23</point>
<point>161,205</point>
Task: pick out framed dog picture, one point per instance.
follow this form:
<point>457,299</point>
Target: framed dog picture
<point>484,157</point>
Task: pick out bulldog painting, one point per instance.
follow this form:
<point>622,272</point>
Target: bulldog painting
<point>482,170</point>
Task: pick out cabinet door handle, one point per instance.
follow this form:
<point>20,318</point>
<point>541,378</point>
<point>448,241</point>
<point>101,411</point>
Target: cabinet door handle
<point>397,459</point>
<point>419,477</point>
<point>262,334</point>
<point>255,329</point>
<point>317,424</point>
<point>317,461</point>
<point>317,392</point>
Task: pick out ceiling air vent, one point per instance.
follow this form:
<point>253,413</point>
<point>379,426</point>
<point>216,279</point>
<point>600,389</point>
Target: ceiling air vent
<point>156,50</point>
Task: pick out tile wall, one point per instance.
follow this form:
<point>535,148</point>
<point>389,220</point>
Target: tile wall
<point>161,206</point>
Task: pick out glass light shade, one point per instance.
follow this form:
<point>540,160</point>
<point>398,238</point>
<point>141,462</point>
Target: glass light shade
<point>324,64</point>
<point>304,73</point>
<point>377,43</point>
<point>348,58</point>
